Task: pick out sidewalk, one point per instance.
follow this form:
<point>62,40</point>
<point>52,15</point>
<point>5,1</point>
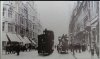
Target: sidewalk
<point>85,55</point>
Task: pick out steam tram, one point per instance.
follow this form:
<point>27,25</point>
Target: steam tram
<point>62,47</point>
<point>45,43</point>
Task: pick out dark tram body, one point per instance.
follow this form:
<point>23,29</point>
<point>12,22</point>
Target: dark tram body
<point>62,47</point>
<point>45,42</point>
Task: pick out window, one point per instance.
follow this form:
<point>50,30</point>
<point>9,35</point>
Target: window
<point>91,6</point>
<point>10,27</point>
<point>16,17</point>
<point>33,26</point>
<point>22,20</point>
<point>16,28</point>
<point>94,7</point>
<point>10,12</point>
<point>33,33</point>
<point>4,9</point>
<point>3,24</point>
<point>85,20</point>
<point>97,7</point>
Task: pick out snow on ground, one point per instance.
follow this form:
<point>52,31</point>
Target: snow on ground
<point>54,55</point>
<point>34,55</point>
<point>85,55</point>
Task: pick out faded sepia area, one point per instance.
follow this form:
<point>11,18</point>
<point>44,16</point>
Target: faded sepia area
<point>50,29</point>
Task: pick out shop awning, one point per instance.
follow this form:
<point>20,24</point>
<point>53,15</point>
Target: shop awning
<point>19,40</point>
<point>4,37</point>
<point>27,40</point>
<point>13,37</point>
<point>33,42</point>
<point>23,40</point>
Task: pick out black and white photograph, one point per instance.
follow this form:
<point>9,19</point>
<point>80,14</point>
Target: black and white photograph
<point>50,30</point>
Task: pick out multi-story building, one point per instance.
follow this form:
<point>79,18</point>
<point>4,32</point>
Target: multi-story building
<point>20,20</point>
<point>84,24</point>
<point>8,24</point>
<point>35,27</point>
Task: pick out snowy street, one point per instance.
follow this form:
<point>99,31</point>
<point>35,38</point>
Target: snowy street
<point>54,55</point>
<point>50,30</point>
<point>34,54</point>
<point>85,55</point>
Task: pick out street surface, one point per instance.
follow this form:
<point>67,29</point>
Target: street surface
<point>34,55</point>
<point>85,55</point>
<point>54,55</point>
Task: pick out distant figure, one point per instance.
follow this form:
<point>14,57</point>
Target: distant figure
<point>17,49</point>
<point>92,51</point>
<point>73,48</point>
<point>55,46</point>
<point>7,49</point>
<point>97,51</point>
<point>29,47</point>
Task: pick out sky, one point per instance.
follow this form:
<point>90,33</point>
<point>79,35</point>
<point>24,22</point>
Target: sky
<point>55,15</point>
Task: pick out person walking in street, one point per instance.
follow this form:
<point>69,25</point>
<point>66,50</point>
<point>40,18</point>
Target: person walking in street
<point>7,49</point>
<point>92,52</point>
<point>79,48</point>
<point>17,49</point>
<point>97,51</point>
<point>73,48</point>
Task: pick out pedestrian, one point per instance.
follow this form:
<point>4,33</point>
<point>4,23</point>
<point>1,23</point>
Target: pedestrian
<point>17,49</point>
<point>11,48</point>
<point>97,51</point>
<point>92,51</point>
<point>29,47</point>
<point>7,49</point>
<point>79,48</point>
<point>73,47</point>
<point>14,49</point>
<point>55,46</point>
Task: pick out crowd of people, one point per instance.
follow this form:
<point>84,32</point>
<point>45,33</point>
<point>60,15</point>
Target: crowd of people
<point>17,48</point>
<point>78,48</point>
<point>73,48</point>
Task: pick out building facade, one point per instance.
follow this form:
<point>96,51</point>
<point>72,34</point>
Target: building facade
<point>84,25</point>
<point>20,18</point>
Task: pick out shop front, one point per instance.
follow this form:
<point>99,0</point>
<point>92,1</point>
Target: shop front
<point>13,39</point>
<point>4,40</point>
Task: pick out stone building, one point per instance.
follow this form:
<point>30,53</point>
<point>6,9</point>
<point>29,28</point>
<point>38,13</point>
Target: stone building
<point>20,20</point>
<point>84,25</point>
<point>35,27</point>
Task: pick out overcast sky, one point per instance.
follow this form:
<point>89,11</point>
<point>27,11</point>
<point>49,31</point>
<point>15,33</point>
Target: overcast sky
<point>55,15</point>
